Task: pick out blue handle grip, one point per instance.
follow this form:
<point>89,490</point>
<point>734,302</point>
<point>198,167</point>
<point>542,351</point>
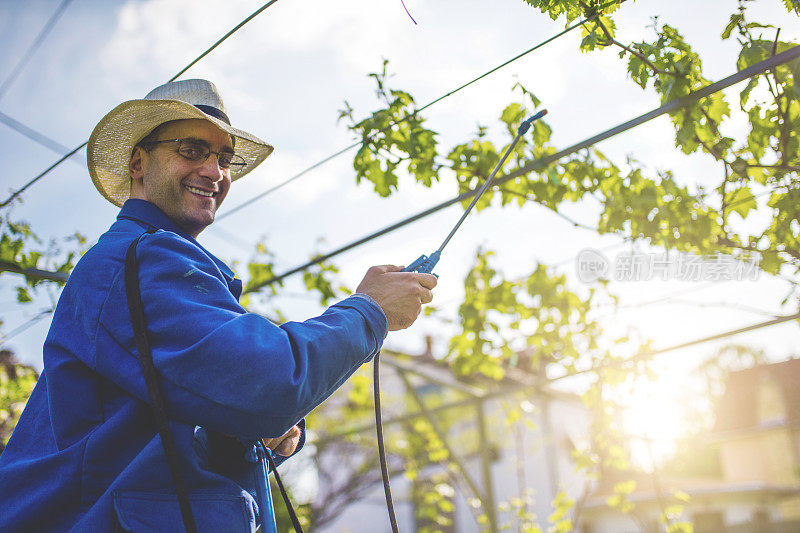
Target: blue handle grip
<point>424,264</point>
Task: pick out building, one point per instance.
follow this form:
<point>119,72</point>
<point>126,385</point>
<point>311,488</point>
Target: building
<point>756,440</point>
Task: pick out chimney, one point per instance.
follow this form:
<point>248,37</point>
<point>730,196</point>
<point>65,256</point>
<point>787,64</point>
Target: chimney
<point>428,348</point>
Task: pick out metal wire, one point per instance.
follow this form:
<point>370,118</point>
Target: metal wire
<point>24,326</point>
<point>33,47</point>
<point>224,37</point>
<point>33,135</point>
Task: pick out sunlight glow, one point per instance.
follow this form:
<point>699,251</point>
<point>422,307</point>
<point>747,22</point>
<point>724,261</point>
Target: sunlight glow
<point>654,412</point>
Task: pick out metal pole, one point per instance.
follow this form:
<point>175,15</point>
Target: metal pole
<point>442,435</point>
<point>486,467</point>
<point>34,273</point>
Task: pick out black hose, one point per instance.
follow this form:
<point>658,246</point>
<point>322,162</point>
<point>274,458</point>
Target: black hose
<point>381,450</point>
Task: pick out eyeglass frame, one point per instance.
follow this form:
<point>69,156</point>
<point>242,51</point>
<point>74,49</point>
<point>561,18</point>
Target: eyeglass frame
<point>202,159</point>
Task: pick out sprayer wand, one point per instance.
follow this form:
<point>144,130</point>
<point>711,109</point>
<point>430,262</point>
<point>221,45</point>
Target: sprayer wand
<point>425,263</point>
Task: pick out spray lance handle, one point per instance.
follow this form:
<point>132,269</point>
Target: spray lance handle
<point>424,264</point>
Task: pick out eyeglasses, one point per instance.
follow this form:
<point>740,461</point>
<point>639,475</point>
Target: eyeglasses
<point>196,150</point>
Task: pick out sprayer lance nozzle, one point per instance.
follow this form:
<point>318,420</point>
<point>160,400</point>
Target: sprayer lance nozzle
<point>525,126</point>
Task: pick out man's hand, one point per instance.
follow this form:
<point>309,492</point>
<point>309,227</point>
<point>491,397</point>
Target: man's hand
<point>284,445</point>
<point>400,294</point>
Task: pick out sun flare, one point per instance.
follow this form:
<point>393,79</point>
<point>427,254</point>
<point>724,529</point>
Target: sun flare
<point>654,413</point>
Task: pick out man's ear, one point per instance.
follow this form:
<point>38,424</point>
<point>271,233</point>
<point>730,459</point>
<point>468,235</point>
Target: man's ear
<point>136,164</point>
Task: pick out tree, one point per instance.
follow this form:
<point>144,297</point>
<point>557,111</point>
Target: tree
<point>16,384</point>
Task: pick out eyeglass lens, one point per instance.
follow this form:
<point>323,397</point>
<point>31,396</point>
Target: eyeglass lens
<point>195,151</point>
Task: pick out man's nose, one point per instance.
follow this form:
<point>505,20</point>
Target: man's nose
<point>210,168</point>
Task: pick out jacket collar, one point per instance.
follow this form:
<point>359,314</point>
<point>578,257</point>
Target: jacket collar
<point>150,215</point>
<point>144,212</point>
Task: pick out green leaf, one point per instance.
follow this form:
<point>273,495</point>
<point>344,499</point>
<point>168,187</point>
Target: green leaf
<point>792,5</point>
<point>638,71</point>
<point>751,54</point>
<point>794,68</point>
<point>593,34</point>
<point>512,116</point>
<point>741,201</point>
<point>534,100</point>
<point>260,273</point>
<point>736,18</point>
<point>744,96</point>
<point>22,295</point>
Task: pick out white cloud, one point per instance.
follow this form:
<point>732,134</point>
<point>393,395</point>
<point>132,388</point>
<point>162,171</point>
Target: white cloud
<point>160,36</point>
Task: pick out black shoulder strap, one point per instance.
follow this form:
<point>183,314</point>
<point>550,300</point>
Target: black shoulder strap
<point>153,385</point>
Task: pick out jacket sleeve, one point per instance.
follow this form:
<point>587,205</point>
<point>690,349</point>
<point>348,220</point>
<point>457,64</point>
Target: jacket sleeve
<point>221,367</point>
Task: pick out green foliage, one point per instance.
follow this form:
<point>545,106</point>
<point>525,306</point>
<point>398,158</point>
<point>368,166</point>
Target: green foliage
<point>360,395</point>
<point>282,518</point>
<point>570,8</point>
<point>766,156</point>
<point>473,350</point>
<point>319,278</point>
<point>659,210</point>
<point>22,295</point>
<point>636,202</point>
<point>597,33</point>
<point>671,514</point>
<point>393,137</point>
<point>620,500</point>
<point>495,310</point>
<point>20,248</point>
<point>574,9</point>
<point>16,384</point>
<point>792,5</point>
<point>520,509</point>
<point>559,519</point>
<point>433,504</point>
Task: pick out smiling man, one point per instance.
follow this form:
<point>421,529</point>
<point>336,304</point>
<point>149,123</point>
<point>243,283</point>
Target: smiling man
<point>188,189</point>
<point>87,453</point>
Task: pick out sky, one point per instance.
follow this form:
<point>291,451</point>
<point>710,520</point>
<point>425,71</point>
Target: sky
<point>285,76</point>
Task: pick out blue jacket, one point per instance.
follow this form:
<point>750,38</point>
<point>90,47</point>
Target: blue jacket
<point>86,456</point>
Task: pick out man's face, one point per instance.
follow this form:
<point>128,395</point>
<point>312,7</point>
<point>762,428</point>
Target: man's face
<point>188,192</point>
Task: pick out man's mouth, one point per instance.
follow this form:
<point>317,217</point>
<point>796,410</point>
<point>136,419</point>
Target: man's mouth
<point>201,192</point>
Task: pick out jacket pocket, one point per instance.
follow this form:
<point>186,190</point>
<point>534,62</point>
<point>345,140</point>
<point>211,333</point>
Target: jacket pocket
<point>146,512</point>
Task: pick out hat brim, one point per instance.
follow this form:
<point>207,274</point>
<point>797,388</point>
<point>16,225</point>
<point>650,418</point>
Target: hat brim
<point>109,149</point>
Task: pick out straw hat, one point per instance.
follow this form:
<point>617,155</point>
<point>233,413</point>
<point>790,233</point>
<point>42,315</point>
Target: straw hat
<point>109,150</point>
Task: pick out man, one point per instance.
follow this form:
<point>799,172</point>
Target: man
<point>86,455</point>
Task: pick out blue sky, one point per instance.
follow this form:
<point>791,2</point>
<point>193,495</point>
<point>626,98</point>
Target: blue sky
<point>285,76</point>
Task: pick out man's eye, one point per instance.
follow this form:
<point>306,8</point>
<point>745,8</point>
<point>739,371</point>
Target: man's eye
<point>192,151</point>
